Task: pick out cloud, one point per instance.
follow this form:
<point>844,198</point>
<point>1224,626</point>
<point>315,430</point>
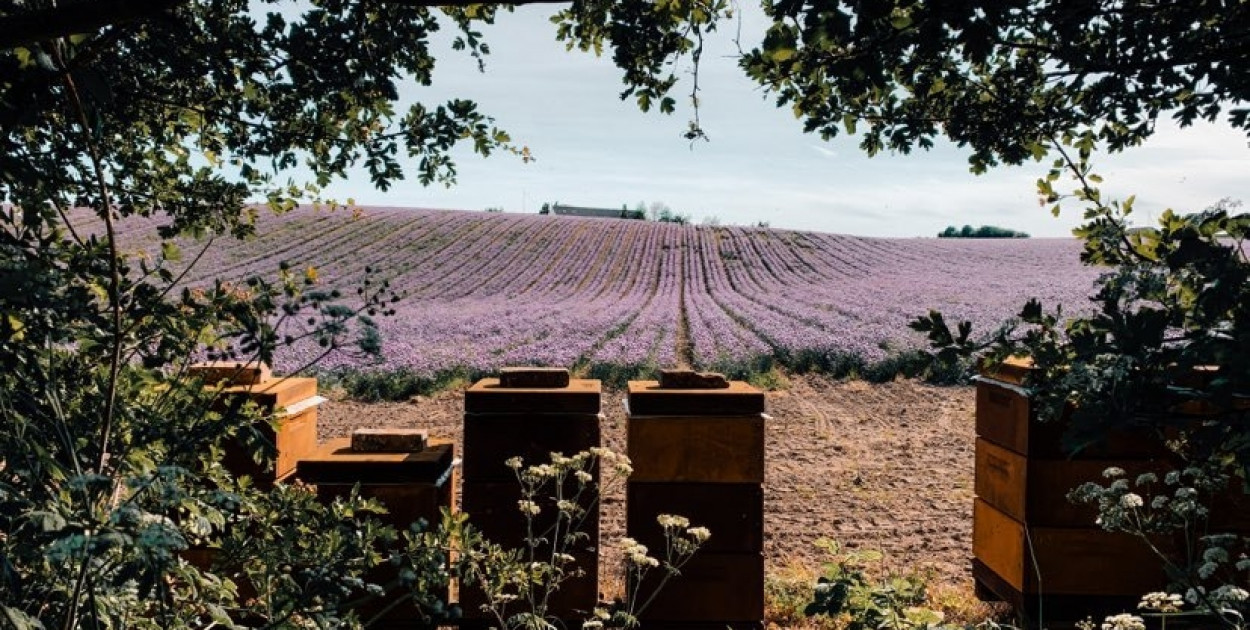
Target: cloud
<point>829,153</point>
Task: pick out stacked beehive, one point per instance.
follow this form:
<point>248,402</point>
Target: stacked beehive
<point>1031,546</point>
<point>294,400</point>
<point>409,474</point>
<point>529,413</point>
<point>699,453</point>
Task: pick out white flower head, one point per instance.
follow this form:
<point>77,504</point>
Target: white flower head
<point>670,521</point>
<point>584,476</point>
<point>1131,500</point>
<point>1233,594</point>
<point>1124,622</point>
<point>1161,602</point>
<point>514,463</point>
<point>529,507</point>
<point>1110,473</point>
<point>699,534</point>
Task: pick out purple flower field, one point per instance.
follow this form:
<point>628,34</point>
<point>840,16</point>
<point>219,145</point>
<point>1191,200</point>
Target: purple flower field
<point>487,290</point>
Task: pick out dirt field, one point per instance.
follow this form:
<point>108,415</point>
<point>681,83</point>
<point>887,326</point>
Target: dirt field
<point>885,467</point>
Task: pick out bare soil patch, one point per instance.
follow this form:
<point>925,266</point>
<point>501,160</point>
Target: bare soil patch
<point>876,466</point>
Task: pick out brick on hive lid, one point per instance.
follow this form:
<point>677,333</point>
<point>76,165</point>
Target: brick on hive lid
<point>389,440</point>
<point>689,379</point>
<point>519,377</point>
<point>233,372</point>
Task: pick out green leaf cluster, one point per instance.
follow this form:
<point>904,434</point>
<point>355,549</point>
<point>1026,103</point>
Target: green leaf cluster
<point>1001,78</point>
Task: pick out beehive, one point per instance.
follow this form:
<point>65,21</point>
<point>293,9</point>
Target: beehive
<point>699,453</point>
<point>530,422</point>
<point>413,486</point>
<point>293,401</point>
<point>1031,546</point>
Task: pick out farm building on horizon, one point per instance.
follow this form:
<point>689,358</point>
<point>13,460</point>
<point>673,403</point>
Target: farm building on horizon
<point>600,213</point>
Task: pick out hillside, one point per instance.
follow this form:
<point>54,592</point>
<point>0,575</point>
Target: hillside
<point>482,290</point>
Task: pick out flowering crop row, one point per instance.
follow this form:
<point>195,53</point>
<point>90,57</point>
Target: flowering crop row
<point>485,290</point>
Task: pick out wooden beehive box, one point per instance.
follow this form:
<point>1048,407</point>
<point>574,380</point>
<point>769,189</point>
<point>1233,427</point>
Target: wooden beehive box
<point>293,431</point>
<point>699,453</point>
<point>413,486</point>
<point>530,417</point>
<point>1031,546</point>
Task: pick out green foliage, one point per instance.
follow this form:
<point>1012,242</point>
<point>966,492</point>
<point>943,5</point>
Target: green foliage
<point>1171,331</point>
<point>170,115</point>
<point>848,593</point>
<point>1003,79</point>
<point>647,39</point>
<point>395,384</point>
<point>1213,570</point>
<point>1163,356</point>
<point>985,231</point>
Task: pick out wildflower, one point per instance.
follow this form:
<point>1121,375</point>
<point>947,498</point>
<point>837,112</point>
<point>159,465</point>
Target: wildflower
<point>1114,471</point>
<point>623,467</point>
<point>636,553</point>
<point>566,506</point>
<point>564,558</point>
<point>584,476</point>
<point>1131,500</point>
<point>1234,594</point>
<point>592,625</point>
<point>1124,622</point>
<point>528,507</point>
<point>670,521</point>
<point>514,463</point>
<point>1162,602</point>
<point>699,534</point>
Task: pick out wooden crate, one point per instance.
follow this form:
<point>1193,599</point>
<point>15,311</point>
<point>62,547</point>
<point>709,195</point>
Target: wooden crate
<point>572,603</point>
<point>699,453</point>
<point>528,422</point>
<point>726,449</point>
<point>294,438</point>
<point>233,372</point>
<point>1034,490</point>
<point>490,439</point>
<point>293,433</point>
<point>1005,416</point>
<point>492,508</point>
<point>1063,560</point>
<point>412,486</point>
<point>271,394</point>
<point>711,587</point>
<point>733,512</point>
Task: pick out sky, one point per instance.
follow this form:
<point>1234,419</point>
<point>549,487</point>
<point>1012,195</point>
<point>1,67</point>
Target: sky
<point>592,149</point>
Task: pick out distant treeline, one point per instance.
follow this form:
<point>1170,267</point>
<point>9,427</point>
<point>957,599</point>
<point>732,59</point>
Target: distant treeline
<point>985,231</point>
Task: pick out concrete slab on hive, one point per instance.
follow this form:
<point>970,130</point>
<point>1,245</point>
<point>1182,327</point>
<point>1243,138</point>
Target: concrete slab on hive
<point>389,440</point>
<point>546,377</point>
